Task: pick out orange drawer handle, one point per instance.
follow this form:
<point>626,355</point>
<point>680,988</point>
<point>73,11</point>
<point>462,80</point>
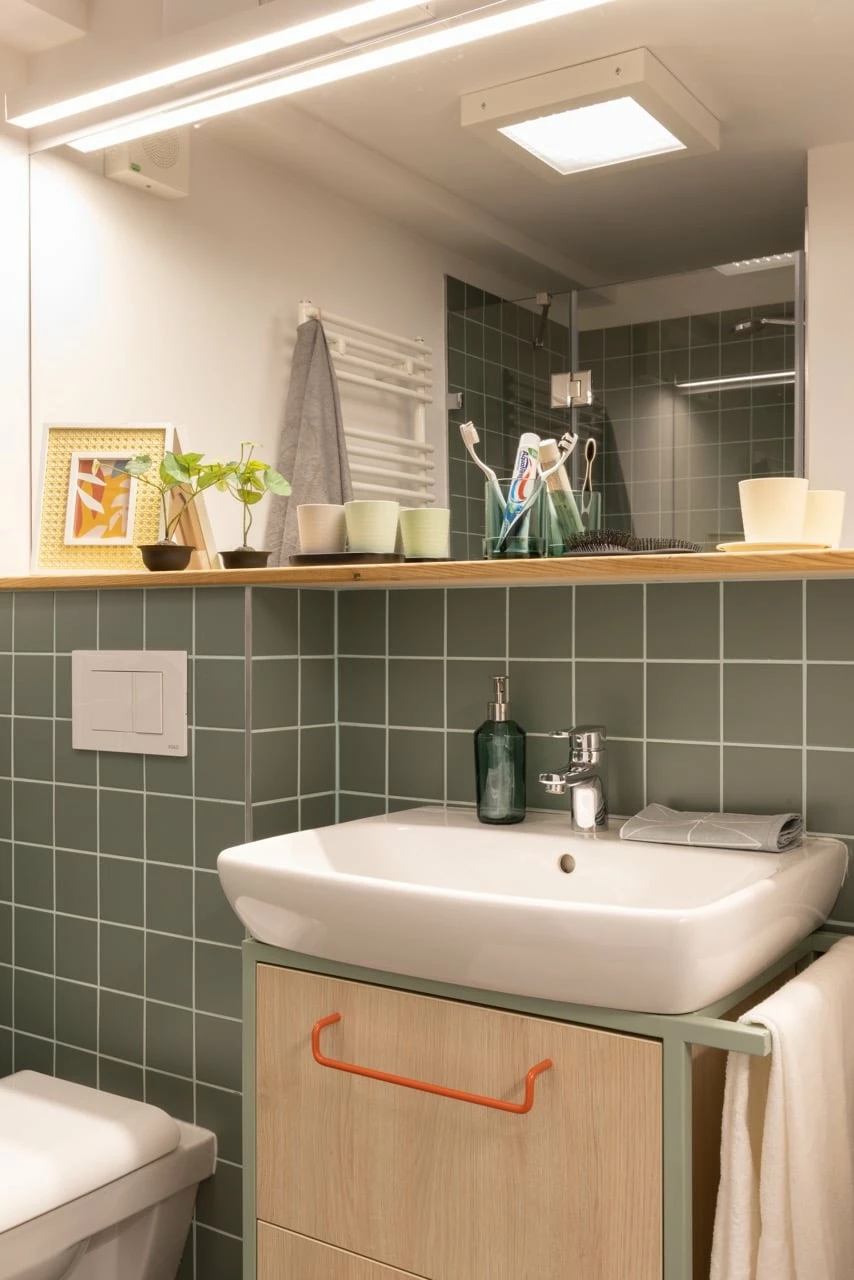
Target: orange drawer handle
<point>517,1108</point>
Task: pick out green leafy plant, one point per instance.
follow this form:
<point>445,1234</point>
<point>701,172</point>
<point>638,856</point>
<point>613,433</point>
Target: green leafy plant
<point>247,480</point>
<point>182,474</point>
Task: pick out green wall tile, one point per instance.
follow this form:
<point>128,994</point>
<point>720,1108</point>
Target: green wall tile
<point>362,622</point>
<point>6,599</point>
<point>76,949</point>
<point>218,826</point>
<point>277,819</point>
<point>6,744</point>
<point>71,765</point>
<point>219,764</point>
<point>218,979</point>
<point>275,621</point>
<point>220,1200</point>
<point>416,764</point>
<point>683,701</point>
<point>477,622</point>
<point>460,772</point>
<point>218,1051</point>
<point>122,1078</point>
<point>317,811</point>
<point>609,622</point>
<point>33,690</point>
<point>416,692</point>
<point>830,699</point>
<point>5,684</point>
<point>683,620</point>
<point>173,1096</point>
<point>169,968</point>
<point>76,620</point>
<point>169,829</point>
<point>362,690</point>
<point>218,1257</point>
<point>274,764</point>
<point>317,622</point>
<point>763,703</point>
<point>34,945</point>
<point>361,756</point>
<point>610,694</point>
<point>626,777</point>
<point>169,1039</point>
<point>33,815</point>
<point>762,620</point>
<point>123,958</point>
<point>683,776</point>
<point>275,700</point>
<point>33,1004</point>
<point>121,886</point>
<point>540,695</point>
<point>215,920</point>
<point>77,1065</point>
<point>169,618</point>
<point>76,883</point>
<point>220,621</point>
<point>763,780</point>
<point>169,899</point>
<point>830,621</point>
<point>76,817</point>
<point>62,681</point>
<point>416,623</point>
<point>120,619</point>
<point>317,691</point>
<point>470,690</point>
<point>77,1016</point>
<point>121,770</point>
<point>830,792</point>
<point>220,696</point>
<point>122,823</point>
<point>541,622</point>
<point>317,760</point>
<point>120,1026</point>
<point>220,1111</point>
<point>33,745</point>
<point>33,622</point>
<point>33,876</point>
<point>172,776</point>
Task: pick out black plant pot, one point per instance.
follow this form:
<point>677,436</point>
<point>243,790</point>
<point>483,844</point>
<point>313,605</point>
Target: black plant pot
<point>165,557</point>
<point>245,558</point>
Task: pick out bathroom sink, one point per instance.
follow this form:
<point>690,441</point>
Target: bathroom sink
<point>431,893</point>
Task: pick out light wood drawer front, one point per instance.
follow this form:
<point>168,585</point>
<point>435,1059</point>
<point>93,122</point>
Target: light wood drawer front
<point>285,1256</point>
<point>442,1188</point>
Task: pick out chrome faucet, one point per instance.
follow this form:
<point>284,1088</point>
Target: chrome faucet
<point>585,777</point>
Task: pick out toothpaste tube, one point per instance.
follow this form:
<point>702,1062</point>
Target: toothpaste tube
<point>525,477</point>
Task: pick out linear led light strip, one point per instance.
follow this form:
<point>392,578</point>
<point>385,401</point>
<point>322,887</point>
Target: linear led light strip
<point>272,42</point>
<point>782,375</point>
<point>347,68</point>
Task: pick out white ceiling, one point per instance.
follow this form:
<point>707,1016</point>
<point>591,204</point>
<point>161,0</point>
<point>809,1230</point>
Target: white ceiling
<point>776,73</point>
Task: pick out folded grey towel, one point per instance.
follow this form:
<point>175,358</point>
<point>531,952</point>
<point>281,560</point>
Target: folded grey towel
<point>764,834</point>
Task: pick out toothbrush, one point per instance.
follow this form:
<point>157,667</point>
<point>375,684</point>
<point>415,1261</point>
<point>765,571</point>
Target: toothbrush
<point>590,450</point>
<point>470,436</point>
<point>566,516</point>
<point>563,448</point>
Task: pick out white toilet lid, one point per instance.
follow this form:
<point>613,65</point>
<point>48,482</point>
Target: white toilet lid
<point>60,1140</point>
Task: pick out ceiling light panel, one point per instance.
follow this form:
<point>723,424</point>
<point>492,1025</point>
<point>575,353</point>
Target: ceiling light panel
<point>293,36</point>
<point>746,266</point>
<point>624,109</point>
<point>438,39</point>
<point>591,137</point>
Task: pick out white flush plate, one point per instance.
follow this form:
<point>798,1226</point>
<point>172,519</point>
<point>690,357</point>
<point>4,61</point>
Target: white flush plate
<point>129,701</point>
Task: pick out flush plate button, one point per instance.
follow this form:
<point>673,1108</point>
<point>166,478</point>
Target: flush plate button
<point>129,701</point>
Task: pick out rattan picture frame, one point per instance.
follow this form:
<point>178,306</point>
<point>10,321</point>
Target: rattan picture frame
<point>62,442</point>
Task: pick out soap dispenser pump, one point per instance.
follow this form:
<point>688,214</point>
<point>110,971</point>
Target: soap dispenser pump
<point>499,753</point>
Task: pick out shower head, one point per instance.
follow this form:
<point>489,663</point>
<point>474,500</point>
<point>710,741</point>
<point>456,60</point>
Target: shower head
<point>752,327</point>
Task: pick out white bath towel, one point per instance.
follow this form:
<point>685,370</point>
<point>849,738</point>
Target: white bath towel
<point>786,1200</point>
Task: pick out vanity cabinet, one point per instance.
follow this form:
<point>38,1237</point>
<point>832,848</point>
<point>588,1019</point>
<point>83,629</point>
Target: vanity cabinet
<point>360,1178</point>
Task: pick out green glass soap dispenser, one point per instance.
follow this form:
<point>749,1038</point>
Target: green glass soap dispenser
<point>499,754</point>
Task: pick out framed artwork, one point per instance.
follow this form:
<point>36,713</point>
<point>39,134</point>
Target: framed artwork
<point>101,501</point>
<point>93,515</point>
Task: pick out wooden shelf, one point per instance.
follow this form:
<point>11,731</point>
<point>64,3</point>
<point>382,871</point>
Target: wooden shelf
<point>475,573</point>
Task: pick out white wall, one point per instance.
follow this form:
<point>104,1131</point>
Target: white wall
<point>147,310</point>
<point>830,324</point>
<point>14,336</point>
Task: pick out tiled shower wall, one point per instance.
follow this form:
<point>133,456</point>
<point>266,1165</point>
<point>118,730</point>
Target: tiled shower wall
<point>714,695</point>
<point>119,957</point>
<point>120,960</point>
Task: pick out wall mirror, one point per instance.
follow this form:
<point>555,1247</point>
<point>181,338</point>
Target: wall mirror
<point>373,199</point>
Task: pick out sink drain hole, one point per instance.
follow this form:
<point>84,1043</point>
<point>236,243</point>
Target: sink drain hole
<point>567,863</point>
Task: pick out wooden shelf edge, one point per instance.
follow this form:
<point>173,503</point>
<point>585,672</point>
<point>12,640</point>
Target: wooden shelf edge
<point>474,573</point>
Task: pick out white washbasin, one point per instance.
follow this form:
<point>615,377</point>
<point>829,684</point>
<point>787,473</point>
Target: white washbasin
<point>433,894</point>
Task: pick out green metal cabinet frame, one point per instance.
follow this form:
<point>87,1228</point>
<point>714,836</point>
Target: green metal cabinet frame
<point>678,1033</point>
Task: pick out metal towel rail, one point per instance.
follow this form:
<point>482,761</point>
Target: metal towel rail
<point>383,464</point>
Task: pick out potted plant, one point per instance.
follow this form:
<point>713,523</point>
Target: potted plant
<point>185,476</point>
<point>247,480</point>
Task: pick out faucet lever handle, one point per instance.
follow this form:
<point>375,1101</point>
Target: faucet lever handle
<point>588,737</point>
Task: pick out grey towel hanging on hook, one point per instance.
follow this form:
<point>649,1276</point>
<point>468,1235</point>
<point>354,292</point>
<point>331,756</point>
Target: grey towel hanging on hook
<point>312,450</point>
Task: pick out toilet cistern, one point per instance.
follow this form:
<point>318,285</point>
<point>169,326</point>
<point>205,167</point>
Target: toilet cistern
<point>585,777</point>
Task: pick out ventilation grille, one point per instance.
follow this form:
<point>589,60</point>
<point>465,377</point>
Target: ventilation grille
<point>163,149</point>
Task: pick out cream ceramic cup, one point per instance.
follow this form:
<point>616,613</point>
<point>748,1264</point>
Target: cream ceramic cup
<point>322,528</point>
<point>372,526</point>
<point>426,532</point>
<point>825,512</point>
<point>773,508</point>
